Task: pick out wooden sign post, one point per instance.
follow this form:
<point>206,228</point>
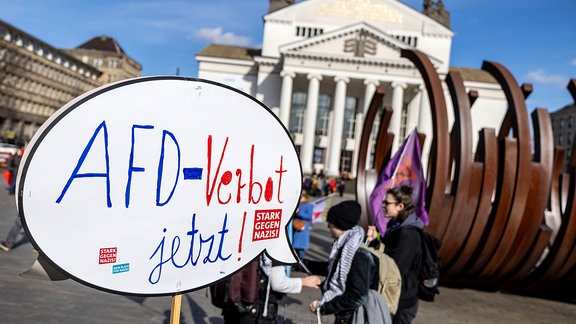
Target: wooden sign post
<point>176,307</point>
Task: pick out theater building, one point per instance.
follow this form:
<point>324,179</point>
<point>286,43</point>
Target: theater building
<point>322,60</point>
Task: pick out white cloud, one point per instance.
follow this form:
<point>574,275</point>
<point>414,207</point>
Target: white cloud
<point>573,62</point>
<point>543,77</point>
<point>215,35</point>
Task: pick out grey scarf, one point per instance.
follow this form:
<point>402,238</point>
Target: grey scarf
<point>348,243</point>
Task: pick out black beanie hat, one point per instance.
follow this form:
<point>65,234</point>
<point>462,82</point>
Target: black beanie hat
<point>345,215</point>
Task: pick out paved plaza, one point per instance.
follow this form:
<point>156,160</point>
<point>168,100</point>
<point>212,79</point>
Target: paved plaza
<point>35,301</point>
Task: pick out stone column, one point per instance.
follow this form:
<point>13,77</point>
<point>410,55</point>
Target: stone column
<point>307,150</point>
<point>335,146</point>
<point>369,91</point>
<point>397,105</point>
<point>413,108</point>
<point>286,97</point>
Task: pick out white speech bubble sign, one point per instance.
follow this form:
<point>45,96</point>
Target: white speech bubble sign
<point>159,185</point>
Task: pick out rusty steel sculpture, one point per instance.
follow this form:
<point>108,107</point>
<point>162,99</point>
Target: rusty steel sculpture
<point>488,206</point>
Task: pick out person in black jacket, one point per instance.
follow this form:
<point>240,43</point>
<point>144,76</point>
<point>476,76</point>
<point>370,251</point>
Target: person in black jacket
<point>349,272</point>
<point>403,243</point>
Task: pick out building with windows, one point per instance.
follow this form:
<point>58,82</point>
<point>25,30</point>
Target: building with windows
<point>107,55</point>
<point>322,60</point>
<point>564,129</point>
<point>36,78</point>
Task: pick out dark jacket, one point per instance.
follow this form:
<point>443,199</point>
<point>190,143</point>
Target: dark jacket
<point>403,244</point>
<point>362,277</point>
<point>14,163</point>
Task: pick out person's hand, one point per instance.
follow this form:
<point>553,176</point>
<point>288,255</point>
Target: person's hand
<point>313,306</point>
<point>371,233</point>
<point>311,281</point>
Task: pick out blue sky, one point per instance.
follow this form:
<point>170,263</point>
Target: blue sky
<point>532,38</point>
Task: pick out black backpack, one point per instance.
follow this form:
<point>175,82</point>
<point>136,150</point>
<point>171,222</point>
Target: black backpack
<point>430,269</point>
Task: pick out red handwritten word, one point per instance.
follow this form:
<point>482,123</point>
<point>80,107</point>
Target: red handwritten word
<point>255,188</point>
<point>108,255</point>
<point>266,224</point>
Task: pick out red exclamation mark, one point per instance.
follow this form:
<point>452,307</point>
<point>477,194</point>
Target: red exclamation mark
<point>241,236</point>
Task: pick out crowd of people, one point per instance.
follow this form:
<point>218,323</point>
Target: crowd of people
<point>348,280</point>
<point>319,185</point>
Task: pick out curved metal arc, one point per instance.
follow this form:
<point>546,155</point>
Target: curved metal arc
<point>465,184</point>
<point>384,141</point>
<point>561,249</point>
<point>500,242</point>
<point>487,158</point>
<point>521,184</point>
<point>438,204</point>
<point>523,247</point>
<point>499,213</point>
<point>565,238</point>
<point>364,178</point>
<point>569,267</point>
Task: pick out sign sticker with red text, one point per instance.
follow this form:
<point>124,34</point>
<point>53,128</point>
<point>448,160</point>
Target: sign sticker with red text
<point>108,255</point>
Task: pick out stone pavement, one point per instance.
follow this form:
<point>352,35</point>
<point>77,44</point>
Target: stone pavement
<point>26,301</point>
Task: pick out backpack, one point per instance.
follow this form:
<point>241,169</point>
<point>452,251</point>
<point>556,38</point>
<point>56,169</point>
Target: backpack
<point>389,277</point>
<point>239,292</point>
<point>430,269</point>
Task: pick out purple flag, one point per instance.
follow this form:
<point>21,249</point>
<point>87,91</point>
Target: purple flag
<point>405,168</point>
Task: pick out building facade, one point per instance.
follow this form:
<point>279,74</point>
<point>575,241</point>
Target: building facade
<point>564,129</point>
<point>107,55</point>
<point>36,79</point>
<point>322,60</point>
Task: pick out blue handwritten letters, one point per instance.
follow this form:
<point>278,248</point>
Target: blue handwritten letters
<point>223,186</point>
<point>249,191</point>
<point>192,252</point>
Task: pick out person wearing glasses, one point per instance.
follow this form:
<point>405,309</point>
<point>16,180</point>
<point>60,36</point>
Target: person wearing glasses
<point>403,243</point>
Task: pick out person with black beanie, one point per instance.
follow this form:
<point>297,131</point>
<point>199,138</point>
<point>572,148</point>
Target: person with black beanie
<point>351,273</point>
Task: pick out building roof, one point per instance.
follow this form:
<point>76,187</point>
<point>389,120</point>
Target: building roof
<point>248,54</point>
<point>230,52</point>
<point>474,75</point>
<point>102,43</point>
<point>6,28</point>
<point>568,109</point>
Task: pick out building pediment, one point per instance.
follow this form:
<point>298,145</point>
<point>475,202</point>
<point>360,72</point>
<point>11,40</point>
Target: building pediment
<point>359,42</point>
<point>390,15</point>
